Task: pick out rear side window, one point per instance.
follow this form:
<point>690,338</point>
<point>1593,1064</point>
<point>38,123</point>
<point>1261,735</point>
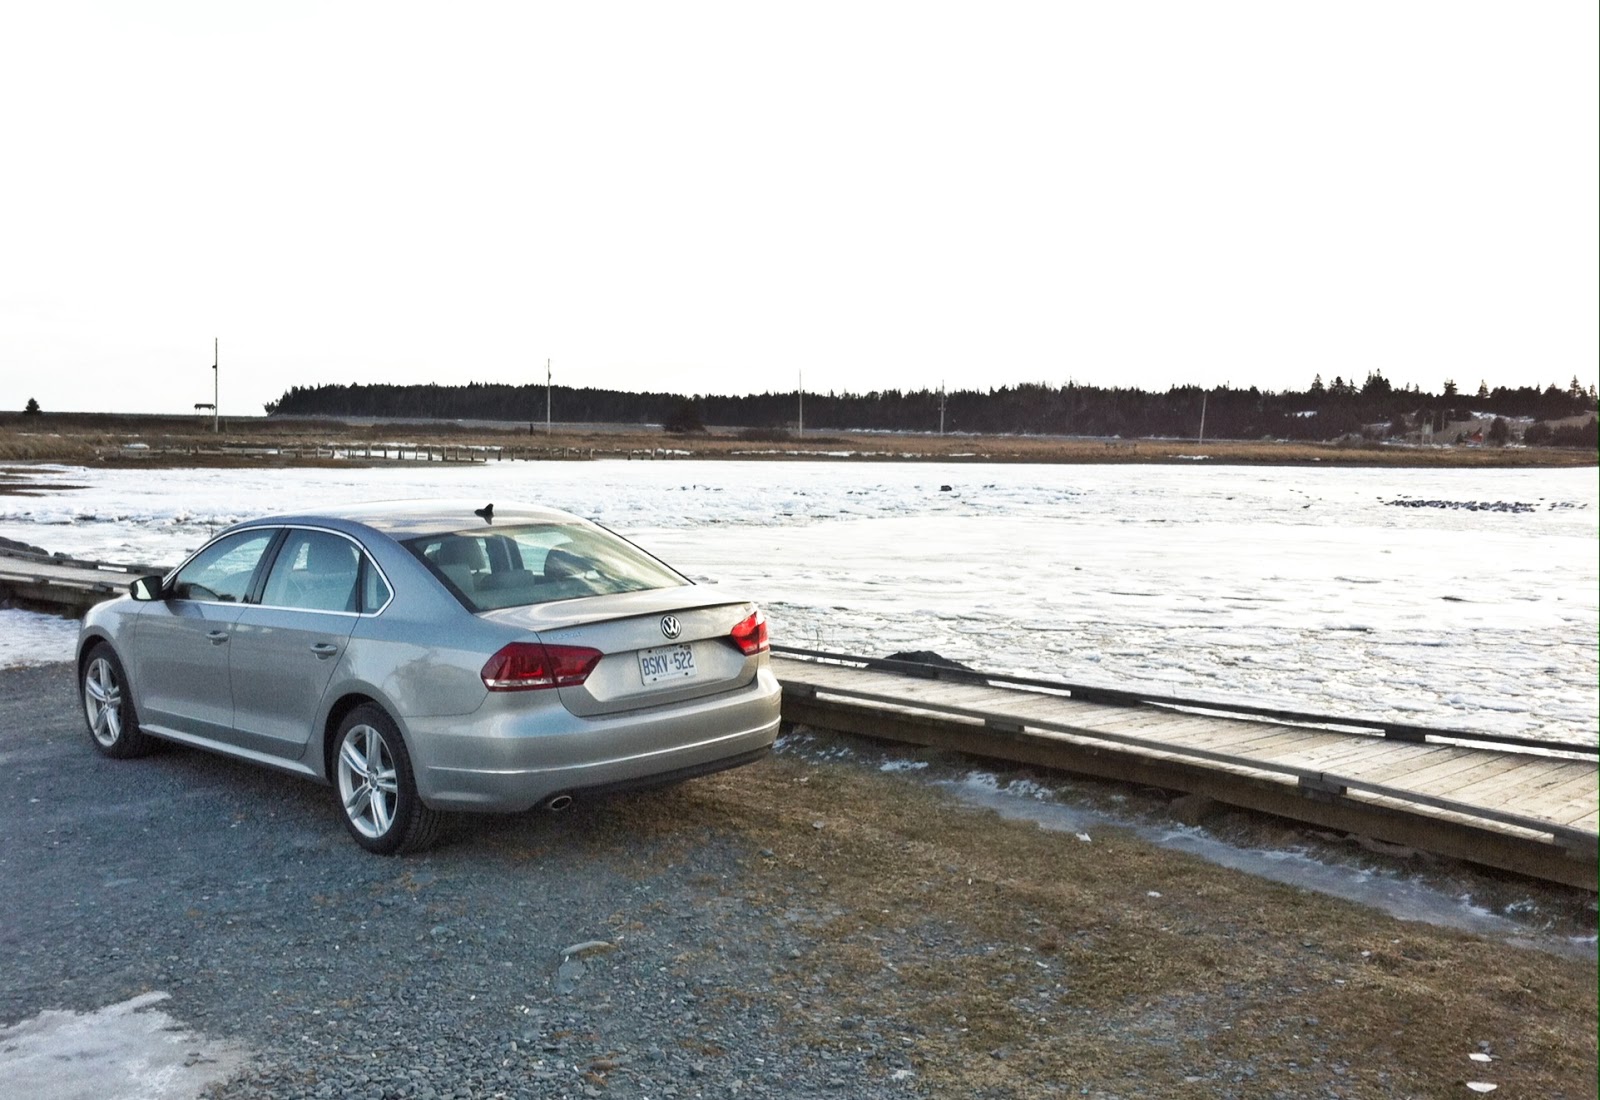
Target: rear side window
<point>538,563</point>
<point>315,571</point>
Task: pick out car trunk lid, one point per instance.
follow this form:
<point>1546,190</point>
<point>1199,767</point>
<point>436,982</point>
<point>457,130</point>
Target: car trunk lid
<point>660,647</point>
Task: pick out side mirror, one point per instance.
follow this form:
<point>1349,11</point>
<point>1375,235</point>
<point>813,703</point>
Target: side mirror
<point>146,588</point>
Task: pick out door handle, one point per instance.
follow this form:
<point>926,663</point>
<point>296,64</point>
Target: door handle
<point>324,649</point>
<point>217,637</point>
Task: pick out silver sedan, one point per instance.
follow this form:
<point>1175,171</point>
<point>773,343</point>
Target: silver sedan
<point>428,657</point>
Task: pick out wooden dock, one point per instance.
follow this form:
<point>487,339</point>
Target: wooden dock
<point>1510,806</point>
<point>60,585</point>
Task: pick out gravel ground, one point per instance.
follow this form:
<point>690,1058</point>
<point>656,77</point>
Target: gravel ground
<point>794,929</point>
<point>237,891</point>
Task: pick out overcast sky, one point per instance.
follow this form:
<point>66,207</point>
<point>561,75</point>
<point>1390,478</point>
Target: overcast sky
<point>715,198</point>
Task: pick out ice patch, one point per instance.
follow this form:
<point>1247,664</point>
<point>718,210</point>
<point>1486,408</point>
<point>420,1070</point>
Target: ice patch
<point>126,1051</point>
<point>29,638</point>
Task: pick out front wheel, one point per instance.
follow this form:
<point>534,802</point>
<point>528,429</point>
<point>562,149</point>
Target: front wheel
<point>377,791</point>
<point>108,706</point>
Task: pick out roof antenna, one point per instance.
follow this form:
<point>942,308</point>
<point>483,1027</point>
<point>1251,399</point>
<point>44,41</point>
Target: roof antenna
<point>487,512</point>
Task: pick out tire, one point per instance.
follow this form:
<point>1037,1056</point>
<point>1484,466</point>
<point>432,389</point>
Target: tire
<point>375,786</point>
<point>108,706</point>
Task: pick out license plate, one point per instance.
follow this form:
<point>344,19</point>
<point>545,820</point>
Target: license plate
<point>668,662</point>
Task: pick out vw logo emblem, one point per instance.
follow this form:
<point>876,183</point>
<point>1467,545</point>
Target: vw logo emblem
<point>670,626</point>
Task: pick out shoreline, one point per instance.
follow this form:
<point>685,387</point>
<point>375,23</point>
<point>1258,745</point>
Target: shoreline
<point>113,441</point>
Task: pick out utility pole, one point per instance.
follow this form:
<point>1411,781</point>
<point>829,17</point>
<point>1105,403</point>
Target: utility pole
<point>941,407</point>
<point>547,397</point>
<point>216,387</point>
<point>1202,418</point>
<point>801,430</point>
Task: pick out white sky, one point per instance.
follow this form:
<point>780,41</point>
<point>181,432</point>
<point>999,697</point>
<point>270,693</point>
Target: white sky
<point>715,197</point>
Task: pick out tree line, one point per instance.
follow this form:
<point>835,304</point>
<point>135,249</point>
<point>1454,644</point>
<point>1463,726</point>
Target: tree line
<point>1322,411</point>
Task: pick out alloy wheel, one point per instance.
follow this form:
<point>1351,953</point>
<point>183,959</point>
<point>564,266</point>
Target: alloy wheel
<point>369,788</point>
<point>102,701</point>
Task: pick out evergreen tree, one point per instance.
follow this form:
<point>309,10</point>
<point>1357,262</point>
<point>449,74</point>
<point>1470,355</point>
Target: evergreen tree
<point>32,408</point>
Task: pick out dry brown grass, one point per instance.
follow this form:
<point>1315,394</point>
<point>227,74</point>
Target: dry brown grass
<point>104,438</point>
<point>1019,962</point>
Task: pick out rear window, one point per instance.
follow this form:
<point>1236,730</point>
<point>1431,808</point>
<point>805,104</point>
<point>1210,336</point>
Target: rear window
<point>535,563</point>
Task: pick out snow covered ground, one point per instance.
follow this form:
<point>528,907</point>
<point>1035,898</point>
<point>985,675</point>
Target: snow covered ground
<point>1455,598</point>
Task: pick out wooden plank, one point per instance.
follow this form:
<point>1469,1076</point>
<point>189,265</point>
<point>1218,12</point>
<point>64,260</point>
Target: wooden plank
<point>1305,752</point>
<point>1438,776</point>
<point>1149,723</point>
<point>1354,753</point>
<point>1561,785</point>
<point>981,699</point>
<point>1403,759</point>
<point>1527,781</point>
<point>1059,709</point>
<point>1473,766</point>
<point>1577,792</point>
<point>952,695</point>
<point>1249,737</point>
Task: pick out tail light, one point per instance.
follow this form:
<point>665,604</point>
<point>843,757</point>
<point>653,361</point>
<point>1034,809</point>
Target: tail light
<point>529,666</point>
<point>750,635</point>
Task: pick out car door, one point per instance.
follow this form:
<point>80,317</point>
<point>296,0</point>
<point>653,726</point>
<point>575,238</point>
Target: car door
<point>286,647</point>
<point>180,662</point>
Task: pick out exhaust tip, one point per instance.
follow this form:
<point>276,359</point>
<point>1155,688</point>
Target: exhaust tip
<point>558,803</point>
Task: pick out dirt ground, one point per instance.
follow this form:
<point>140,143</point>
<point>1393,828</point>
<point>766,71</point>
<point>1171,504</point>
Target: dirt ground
<point>108,439</point>
<point>1023,960</point>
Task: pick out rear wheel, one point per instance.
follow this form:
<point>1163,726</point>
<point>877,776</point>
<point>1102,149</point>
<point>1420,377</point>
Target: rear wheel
<point>108,706</point>
<point>377,791</point>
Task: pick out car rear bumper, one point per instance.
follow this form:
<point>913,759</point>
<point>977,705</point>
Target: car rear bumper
<point>511,756</point>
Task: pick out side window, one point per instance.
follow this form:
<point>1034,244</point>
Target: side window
<point>315,571</point>
<point>374,592</point>
<point>223,570</point>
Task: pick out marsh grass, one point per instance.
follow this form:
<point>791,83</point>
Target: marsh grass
<point>105,439</point>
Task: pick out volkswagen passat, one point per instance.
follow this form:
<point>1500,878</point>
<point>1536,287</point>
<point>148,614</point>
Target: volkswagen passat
<point>425,657</point>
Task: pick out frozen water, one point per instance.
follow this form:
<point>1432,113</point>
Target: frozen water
<point>1321,589</point>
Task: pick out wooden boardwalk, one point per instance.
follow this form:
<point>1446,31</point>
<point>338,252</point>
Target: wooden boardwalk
<point>1519,809</point>
<point>62,585</point>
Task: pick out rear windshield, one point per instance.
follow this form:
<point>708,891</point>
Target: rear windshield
<point>538,563</point>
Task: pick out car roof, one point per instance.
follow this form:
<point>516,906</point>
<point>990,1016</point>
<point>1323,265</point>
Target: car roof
<point>413,518</point>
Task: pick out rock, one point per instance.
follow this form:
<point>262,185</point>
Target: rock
<point>925,662</point>
<point>1384,848</point>
<point>567,975</point>
<point>13,544</point>
<point>587,948</point>
<point>1194,809</point>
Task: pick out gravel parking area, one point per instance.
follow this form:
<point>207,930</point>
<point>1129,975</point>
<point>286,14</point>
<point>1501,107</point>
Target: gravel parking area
<point>792,929</point>
<point>237,891</point>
